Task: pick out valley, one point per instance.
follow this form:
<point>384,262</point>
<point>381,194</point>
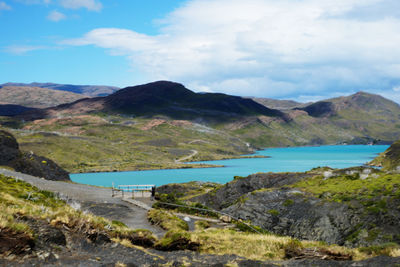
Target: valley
<point>151,126</point>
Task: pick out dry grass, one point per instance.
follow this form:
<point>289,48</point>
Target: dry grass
<point>395,252</point>
<point>18,198</point>
<point>258,246</point>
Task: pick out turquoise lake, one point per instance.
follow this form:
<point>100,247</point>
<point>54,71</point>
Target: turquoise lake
<point>291,159</point>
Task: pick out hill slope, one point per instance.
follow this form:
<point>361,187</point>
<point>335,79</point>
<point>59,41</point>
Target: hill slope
<point>390,159</point>
<point>36,97</point>
<point>88,90</point>
<point>277,103</point>
<point>13,110</point>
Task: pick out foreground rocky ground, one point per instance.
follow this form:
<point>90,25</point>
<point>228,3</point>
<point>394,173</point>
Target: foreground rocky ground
<point>69,238</point>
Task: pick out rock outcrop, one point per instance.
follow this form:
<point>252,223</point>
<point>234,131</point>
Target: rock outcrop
<point>282,204</point>
<point>28,163</point>
<point>229,193</point>
<point>293,213</point>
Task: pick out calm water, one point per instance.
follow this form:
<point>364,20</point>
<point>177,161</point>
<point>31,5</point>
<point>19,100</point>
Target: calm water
<point>291,159</point>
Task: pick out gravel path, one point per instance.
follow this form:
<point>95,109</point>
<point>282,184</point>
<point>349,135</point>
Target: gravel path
<point>194,153</point>
<point>96,200</point>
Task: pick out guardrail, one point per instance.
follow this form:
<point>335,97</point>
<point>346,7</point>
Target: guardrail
<point>136,188</point>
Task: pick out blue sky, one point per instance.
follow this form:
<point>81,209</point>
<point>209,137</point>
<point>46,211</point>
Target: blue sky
<point>294,49</point>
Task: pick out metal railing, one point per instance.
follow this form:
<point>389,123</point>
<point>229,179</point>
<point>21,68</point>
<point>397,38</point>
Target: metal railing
<point>132,188</point>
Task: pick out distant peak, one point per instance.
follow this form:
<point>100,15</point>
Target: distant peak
<point>362,93</point>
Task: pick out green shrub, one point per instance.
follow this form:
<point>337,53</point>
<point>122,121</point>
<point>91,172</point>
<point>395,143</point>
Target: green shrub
<point>273,212</point>
<point>288,202</point>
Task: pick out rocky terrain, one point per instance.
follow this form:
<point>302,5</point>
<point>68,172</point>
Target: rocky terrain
<point>43,230</point>
<point>352,207</point>
<point>27,162</point>
<point>229,194</point>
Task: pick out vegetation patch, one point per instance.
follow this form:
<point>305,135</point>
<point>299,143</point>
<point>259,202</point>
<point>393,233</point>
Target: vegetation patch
<point>343,189</point>
<point>166,220</point>
<point>171,202</point>
<point>263,246</point>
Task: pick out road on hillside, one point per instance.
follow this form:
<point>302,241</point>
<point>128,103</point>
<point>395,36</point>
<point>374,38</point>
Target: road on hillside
<point>96,200</point>
<point>194,153</point>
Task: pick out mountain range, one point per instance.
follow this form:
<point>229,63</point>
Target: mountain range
<point>358,118</point>
<point>164,121</point>
<point>87,90</point>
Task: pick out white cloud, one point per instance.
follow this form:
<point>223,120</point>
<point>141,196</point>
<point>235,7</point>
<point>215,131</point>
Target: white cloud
<point>4,6</point>
<point>22,49</point>
<point>92,5</point>
<point>267,47</point>
<point>396,88</point>
<point>56,16</point>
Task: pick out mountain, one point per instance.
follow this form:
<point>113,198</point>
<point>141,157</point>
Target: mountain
<point>278,104</point>
<point>167,99</point>
<point>360,118</point>
<point>87,90</point>
<point>368,104</point>
<point>390,159</point>
<point>36,97</point>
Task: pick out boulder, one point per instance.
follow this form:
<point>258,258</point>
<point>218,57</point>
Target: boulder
<point>28,163</point>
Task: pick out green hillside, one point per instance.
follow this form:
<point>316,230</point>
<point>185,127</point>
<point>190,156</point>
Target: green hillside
<point>390,159</point>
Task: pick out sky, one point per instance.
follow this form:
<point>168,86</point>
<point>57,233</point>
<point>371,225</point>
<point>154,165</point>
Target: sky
<point>305,50</point>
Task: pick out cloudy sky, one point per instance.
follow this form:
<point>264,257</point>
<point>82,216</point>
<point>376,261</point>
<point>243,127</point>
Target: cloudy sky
<point>293,49</point>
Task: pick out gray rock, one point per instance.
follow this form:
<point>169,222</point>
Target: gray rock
<point>232,191</point>
<point>28,163</point>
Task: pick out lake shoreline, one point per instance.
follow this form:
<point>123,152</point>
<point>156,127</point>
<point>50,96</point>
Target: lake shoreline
<point>188,165</point>
<point>292,159</point>
<point>192,162</point>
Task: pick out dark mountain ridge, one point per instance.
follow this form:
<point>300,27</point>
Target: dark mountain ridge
<point>167,99</point>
